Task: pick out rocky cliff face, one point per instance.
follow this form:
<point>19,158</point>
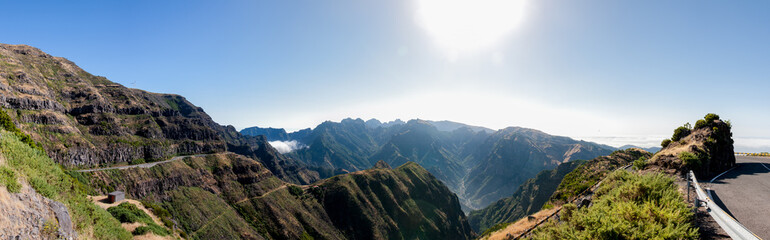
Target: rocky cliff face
<point>29,215</point>
<point>84,120</point>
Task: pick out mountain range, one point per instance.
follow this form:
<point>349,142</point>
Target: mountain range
<point>69,136</point>
<point>214,183</point>
<point>480,165</point>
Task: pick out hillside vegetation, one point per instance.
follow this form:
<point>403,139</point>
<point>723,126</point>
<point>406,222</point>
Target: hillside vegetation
<point>24,163</point>
<point>233,196</point>
<point>478,164</point>
<point>552,188</point>
<point>528,199</point>
<point>627,206</point>
<point>592,172</point>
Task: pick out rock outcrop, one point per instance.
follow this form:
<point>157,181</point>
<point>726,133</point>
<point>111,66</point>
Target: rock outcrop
<point>707,149</point>
<point>29,215</point>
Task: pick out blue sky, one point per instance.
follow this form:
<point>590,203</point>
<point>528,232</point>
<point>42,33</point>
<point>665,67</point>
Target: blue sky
<point>609,71</point>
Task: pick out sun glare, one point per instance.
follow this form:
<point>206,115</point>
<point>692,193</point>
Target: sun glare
<point>464,26</point>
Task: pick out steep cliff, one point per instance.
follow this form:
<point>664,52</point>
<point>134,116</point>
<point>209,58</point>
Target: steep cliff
<point>84,120</point>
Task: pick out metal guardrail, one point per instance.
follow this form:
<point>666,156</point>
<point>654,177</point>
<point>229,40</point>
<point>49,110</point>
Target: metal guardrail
<point>735,229</point>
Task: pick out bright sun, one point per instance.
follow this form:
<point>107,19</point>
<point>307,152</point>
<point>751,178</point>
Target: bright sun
<point>464,26</point>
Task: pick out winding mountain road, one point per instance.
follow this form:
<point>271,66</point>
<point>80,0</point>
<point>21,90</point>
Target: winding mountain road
<point>143,165</point>
<point>744,193</point>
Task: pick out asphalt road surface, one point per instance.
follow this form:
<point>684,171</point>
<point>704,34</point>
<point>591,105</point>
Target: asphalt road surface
<point>744,193</point>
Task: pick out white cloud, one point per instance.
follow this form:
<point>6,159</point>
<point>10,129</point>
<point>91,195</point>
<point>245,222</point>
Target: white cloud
<point>287,146</point>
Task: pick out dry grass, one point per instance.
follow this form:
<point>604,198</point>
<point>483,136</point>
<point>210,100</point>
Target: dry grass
<point>520,226</point>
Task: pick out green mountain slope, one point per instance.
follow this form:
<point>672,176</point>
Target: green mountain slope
<point>420,142</point>
<point>345,145</point>
<point>528,199</point>
<point>554,187</point>
<point>511,156</point>
<point>85,121</point>
<point>236,197</point>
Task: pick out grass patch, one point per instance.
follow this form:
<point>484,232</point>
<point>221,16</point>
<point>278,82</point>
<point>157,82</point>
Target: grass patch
<point>49,179</point>
<point>153,228</point>
<point>160,212</point>
<point>129,213</point>
<point>628,206</point>
<point>8,179</point>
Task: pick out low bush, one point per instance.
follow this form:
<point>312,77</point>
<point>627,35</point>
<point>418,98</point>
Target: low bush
<point>151,227</point>
<point>8,125</point>
<point>296,191</point>
<point>700,124</point>
<point>129,213</point>
<point>665,143</point>
<point>138,161</point>
<point>680,133</point>
<point>640,163</point>
<point>8,179</point>
<point>628,206</point>
<point>691,160</point>
<point>711,117</point>
<point>567,210</point>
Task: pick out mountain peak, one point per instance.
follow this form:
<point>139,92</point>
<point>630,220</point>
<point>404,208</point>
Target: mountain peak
<point>382,164</point>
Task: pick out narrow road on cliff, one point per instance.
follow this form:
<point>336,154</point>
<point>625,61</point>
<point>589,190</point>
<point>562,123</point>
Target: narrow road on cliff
<point>143,165</point>
<point>744,193</point>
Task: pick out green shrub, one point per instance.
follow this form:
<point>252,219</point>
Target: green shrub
<point>711,117</point>
<point>547,206</point>
<point>567,210</point>
<point>129,213</point>
<point>680,133</point>
<point>628,206</point>
<point>137,161</point>
<point>700,124</point>
<point>296,191</point>
<point>690,160</point>
<point>151,227</point>
<point>640,163</point>
<point>665,143</point>
<point>8,179</point>
<point>8,125</point>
